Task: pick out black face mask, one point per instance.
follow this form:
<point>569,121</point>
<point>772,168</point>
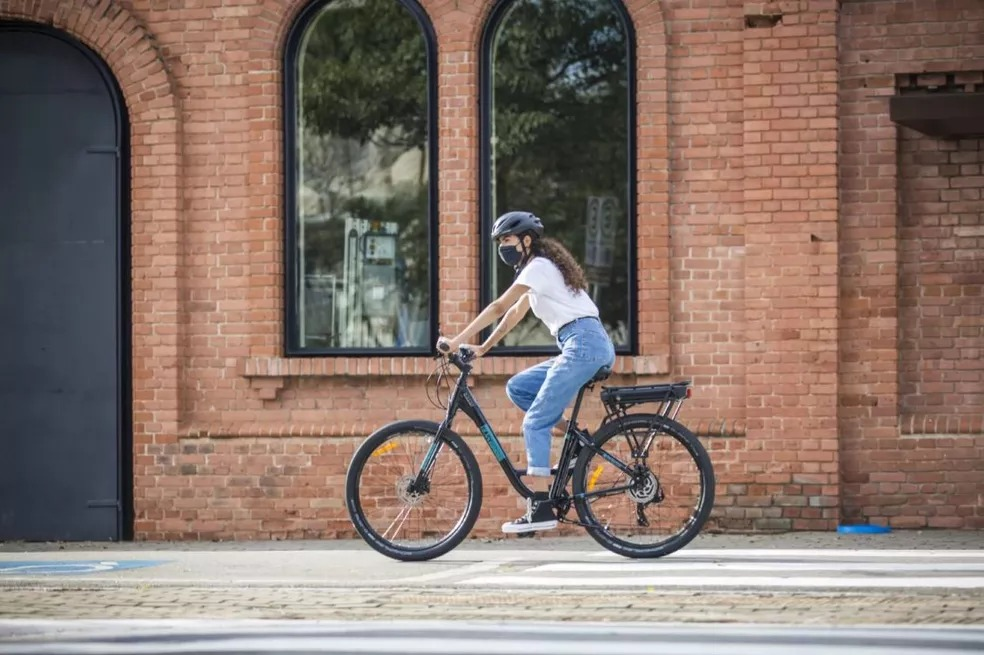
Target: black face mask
<point>510,255</point>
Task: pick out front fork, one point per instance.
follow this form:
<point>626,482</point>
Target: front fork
<point>421,481</point>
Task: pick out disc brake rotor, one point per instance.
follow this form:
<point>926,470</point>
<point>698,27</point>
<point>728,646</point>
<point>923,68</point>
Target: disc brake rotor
<point>407,494</point>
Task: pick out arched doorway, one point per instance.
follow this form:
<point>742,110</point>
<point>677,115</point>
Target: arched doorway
<point>65,462</point>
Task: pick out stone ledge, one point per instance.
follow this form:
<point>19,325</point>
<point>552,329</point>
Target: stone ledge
<point>493,366</point>
<point>704,428</point>
<point>334,429</point>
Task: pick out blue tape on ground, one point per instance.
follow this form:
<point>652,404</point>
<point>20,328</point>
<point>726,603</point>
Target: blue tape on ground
<point>863,529</point>
<point>72,567</point>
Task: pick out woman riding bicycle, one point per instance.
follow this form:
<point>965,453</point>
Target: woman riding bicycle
<point>551,283</point>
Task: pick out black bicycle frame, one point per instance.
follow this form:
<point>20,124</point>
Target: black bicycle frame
<point>463,400</point>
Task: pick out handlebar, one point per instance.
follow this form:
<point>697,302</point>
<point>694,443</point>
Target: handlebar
<point>462,358</point>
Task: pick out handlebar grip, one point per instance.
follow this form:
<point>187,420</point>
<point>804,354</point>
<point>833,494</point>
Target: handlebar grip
<point>444,347</point>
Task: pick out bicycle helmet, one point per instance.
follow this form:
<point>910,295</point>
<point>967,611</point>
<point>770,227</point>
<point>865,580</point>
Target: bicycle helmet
<point>517,223</point>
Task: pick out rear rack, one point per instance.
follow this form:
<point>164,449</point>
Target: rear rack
<point>670,397</point>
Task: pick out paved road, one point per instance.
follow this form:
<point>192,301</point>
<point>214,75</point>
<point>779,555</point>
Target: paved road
<point>933,578</point>
<point>443,637</point>
<point>467,568</point>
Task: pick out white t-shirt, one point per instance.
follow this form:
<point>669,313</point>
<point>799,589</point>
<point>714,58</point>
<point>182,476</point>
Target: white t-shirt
<point>550,298</point>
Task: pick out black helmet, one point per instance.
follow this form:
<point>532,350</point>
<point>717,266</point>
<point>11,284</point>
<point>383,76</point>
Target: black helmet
<point>516,223</point>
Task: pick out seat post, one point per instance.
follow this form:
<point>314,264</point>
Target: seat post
<point>577,405</point>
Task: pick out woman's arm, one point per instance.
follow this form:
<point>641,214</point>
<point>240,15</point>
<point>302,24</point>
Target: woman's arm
<point>512,317</point>
<point>496,308</point>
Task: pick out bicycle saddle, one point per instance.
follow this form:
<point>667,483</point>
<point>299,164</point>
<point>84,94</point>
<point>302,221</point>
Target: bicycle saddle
<point>602,374</point>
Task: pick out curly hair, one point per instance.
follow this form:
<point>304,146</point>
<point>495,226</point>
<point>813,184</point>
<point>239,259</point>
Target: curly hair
<point>563,260</point>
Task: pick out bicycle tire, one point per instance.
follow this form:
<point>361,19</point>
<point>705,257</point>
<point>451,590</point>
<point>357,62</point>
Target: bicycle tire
<point>362,524</point>
<point>693,446</point>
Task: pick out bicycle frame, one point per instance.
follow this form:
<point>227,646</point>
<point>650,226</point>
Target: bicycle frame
<point>574,439</point>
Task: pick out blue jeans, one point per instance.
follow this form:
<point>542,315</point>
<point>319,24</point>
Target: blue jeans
<point>545,390</point>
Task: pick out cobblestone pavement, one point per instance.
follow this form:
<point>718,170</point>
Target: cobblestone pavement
<point>843,608</point>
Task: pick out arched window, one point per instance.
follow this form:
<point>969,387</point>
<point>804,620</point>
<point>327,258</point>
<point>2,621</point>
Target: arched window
<point>360,157</point>
<point>558,129</point>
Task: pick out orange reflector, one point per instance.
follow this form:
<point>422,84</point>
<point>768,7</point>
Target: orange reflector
<point>385,448</point>
<point>595,474</point>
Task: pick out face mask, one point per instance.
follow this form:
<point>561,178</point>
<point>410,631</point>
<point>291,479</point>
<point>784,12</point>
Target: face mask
<point>510,255</point>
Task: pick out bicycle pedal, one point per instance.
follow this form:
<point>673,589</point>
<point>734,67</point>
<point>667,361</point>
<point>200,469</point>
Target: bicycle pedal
<point>525,535</point>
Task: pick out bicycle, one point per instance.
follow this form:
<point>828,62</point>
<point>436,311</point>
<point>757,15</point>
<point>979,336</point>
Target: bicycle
<point>622,445</point>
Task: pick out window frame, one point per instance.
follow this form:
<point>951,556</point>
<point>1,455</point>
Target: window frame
<point>293,259</point>
<point>485,108</point>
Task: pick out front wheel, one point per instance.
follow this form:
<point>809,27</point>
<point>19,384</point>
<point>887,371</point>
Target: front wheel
<point>660,503</point>
<point>410,495</point>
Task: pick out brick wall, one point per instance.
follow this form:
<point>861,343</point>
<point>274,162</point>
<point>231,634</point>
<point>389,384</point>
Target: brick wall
<point>708,234</point>
<point>790,204</point>
<point>941,305</point>
<point>911,379</point>
<point>738,256</point>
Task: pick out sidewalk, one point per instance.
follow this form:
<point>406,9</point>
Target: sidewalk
<point>938,579</point>
<point>353,563</point>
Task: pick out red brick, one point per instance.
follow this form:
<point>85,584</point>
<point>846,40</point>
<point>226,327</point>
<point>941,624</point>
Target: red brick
<point>774,270</point>
<point>891,268</point>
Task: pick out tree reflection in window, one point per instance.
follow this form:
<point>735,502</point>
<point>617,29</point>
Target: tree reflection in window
<point>360,206</point>
<point>557,138</point>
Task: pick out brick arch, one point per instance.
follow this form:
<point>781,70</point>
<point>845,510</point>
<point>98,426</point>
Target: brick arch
<point>652,179</point>
<point>148,91</point>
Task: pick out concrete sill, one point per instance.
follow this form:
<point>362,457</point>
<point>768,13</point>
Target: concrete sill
<point>284,367</point>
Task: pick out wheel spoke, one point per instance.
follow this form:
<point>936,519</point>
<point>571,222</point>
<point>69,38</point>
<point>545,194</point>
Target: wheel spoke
<point>662,503</point>
<point>399,511</point>
<point>398,522</point>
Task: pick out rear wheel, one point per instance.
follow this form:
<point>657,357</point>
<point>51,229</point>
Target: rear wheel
<point>404,516</point>
<point>665,499</point>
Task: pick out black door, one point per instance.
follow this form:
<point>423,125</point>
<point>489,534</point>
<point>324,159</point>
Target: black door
<point>61,234</point>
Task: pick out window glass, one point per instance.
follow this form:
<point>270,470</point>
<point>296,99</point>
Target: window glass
<point>557,73</point>
<point>359,249</point>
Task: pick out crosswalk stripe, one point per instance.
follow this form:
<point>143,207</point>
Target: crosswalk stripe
<point>543,582</point>
<point>654,567</point>
<point>813,553</point>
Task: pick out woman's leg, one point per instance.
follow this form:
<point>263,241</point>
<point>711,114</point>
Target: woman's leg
<point>584,349</point>
<point>583,352</point>
<point>523,387</point>
<point>560,386</point>
<point>522,390</point>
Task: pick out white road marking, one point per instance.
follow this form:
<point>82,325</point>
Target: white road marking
<point>759,582</point>
<point>725,568</point>
<point>773,567</point>
<point>812,553</point>
<point>478,567</point>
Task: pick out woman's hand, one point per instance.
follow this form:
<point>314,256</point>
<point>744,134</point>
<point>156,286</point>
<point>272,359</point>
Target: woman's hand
<point>477,350</point>
<point>445,345</point>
